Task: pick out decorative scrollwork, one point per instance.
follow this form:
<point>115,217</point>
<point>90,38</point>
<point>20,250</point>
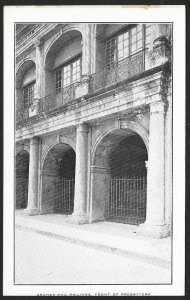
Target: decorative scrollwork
<point>124,69</point>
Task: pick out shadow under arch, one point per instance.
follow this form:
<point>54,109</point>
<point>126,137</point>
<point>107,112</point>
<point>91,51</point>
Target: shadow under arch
<point>57,179</point>
<point>22,68</point>
<point>126,126</point>
<point>59,42</point>
<point>119,154</point>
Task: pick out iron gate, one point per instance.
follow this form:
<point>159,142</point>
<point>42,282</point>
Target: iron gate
<point>64,202</point>
<point>126,200</point>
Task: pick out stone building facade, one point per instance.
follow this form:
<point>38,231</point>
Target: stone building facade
<point>94,123</point>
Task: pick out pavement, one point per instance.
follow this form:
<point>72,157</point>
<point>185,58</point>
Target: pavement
<point>116,238</point>
<point>45,260</point>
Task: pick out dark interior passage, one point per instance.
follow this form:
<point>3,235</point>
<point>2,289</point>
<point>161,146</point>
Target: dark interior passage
<point>67,165</point>
<point>128,158</point>
<point>58,180</point>
<point>126,185</point>
<point>22,172</point>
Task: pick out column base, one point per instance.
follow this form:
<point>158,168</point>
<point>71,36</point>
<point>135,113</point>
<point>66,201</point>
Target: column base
<point>155,231</point>
<point>31,211</point>
<point>96,220</point>
<point>78,219</point>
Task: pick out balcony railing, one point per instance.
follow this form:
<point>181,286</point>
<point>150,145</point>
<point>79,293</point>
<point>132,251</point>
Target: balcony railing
<point>128,67</point>
<point>47,103</point>
<point>57,99</point>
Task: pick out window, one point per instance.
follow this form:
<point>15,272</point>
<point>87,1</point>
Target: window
<point>58,81</point>
<point>28,95</point>
<point>127,43</point>
<point>68,74</point>
<point>136,38</point>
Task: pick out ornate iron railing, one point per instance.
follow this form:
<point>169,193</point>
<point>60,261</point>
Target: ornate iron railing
<point>57,99</point>
<point>128,67</point>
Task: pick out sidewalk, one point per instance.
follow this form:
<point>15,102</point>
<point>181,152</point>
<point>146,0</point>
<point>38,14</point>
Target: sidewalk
<point>120,239</point>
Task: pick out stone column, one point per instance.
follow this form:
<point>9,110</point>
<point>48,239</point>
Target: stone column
<point>39,69</point>
<point>155,212</point>
<point>86,45</point>
<point>83,88</point>
<point>168,162</point>
<point>34,108</point>
<point>32,208</point>
<point>79,215</point>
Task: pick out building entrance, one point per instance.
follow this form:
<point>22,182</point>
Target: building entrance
<point>120,172</point>
<point>58,180</point>
<point>126,195</point>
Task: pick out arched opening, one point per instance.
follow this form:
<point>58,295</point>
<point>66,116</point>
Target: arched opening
<point>58,180</point>
<point>22,172</point>
<point>120,173</point>
<point>25,88</point>
<point>63,63</point>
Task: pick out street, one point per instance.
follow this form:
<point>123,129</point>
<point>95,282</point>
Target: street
<point>40,259</point>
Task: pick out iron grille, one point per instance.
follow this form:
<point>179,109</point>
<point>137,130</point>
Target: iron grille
<point>126,200</point>
<point>64,201</point>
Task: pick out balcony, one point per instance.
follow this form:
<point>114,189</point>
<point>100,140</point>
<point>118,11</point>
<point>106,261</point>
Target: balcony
<point>128,67</point>
<point>68,96</point>
<point>57,99</point>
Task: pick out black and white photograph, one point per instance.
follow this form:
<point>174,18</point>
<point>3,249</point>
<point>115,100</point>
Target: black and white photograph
<point>94,198</point>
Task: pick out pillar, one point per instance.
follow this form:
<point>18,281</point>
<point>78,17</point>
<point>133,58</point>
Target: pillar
<point>86,45</point>
<point>79,215</point>
<point>32,208</point>
<point>34,108</point>
<point>39,69</point>
<point>168,162</point>
<point>155,212</point>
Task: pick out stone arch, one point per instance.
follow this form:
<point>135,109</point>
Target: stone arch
<point>120,153</point>
<point>99,139</point>
<point>134,126</point>
<point>21,70</point>
<point>64,140</point>
<point>25,74</point>
<point>21,148</point>
<point>58,177</point>
<point>23,61</point>
<point>61,33</point>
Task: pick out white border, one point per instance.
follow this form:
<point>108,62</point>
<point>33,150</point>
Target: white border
<point>125,13</point>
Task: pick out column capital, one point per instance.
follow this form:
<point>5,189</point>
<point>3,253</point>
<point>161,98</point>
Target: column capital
<point>82,127</point>
<point>38,43</point>
<point>34,140</point>
<point>157,107</point>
